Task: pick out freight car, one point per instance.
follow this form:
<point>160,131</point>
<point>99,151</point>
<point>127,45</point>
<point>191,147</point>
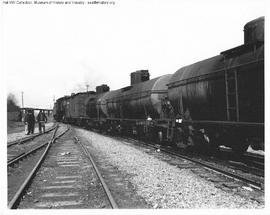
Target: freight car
<point>131,108</point>
<point>128,109</point>
<point>224,96</point>
<point>217,101</point>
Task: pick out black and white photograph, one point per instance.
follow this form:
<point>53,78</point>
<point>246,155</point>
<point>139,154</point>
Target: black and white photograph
<point>134,106</point>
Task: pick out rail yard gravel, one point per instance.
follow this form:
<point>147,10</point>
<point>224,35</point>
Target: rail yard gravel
<point>163,185</point>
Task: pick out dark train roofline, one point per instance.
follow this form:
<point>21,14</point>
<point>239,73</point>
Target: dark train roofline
<point>82,93</point>
<point>76,94</point>
<point>251,23</point>
<point>241,49</point>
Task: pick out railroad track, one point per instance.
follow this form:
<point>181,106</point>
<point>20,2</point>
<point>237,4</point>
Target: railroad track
<point>67,179</point>
<point>252,159</point>
<point>223,182</point>
<point>253,183</point>
<point>104,185</point>
<point>255,160</point>
<point>22,189</point>
<point>26,139</point>
<point>229,172</point>
<point>24,155</point>
<point>17,151</point>
<point>248,162</point>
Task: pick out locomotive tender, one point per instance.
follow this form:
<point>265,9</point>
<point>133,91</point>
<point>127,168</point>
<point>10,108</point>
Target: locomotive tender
<point>217,101</point>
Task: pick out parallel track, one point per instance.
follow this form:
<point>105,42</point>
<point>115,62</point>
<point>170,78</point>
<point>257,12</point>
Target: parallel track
<point>23,155</point>
<point>25,139</point>
<point>26,153</point>
<point>249,161</point>
<point>254,184</point>
<point>15,200</point>
<point>104,185</point>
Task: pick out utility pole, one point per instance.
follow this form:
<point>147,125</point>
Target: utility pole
<point>87,85</point>
<point>53,104</point>
<point>22,100</point>
<point>23,111</point>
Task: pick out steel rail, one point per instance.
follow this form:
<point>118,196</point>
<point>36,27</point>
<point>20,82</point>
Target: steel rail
<point>16,157</point>
<point>254,184</point>
<point>106,189</point>
<point>23,140</point>
<point>16,198</point>
<point>21,156</point>
<point>255,160</point>
<point>254,156</point>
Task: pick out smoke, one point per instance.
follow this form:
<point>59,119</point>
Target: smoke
<point>89,78</point>
<point>12,103</point>
<point>79,88</point>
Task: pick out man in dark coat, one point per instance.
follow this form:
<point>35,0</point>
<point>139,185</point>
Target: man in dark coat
<point>41,119</point>
<point>29,119</point>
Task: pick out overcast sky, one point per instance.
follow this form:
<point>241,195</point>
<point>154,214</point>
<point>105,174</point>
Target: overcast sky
<point>54,50</point>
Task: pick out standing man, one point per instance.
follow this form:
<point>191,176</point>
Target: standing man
<point>29,120</point>
<point>33,122</point>
<point>41,119</point>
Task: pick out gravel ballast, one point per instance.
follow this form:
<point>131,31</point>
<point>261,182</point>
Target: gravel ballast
<point>163,185</point>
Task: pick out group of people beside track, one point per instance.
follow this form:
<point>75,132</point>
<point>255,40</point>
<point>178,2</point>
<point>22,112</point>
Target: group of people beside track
<point>30,120</point>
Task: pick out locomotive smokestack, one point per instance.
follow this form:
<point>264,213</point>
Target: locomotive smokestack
<point>139,76</point>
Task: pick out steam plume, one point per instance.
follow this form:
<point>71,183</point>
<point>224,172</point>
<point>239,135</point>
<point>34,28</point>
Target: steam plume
<point>12,103</point>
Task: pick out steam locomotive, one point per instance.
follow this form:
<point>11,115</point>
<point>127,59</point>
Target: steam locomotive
<point>217,101</point>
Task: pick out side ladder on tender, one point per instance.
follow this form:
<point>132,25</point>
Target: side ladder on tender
<point>231,90</point>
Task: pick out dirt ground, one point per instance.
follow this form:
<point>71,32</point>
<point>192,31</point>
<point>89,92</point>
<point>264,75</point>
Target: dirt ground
<point>15,127</point>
